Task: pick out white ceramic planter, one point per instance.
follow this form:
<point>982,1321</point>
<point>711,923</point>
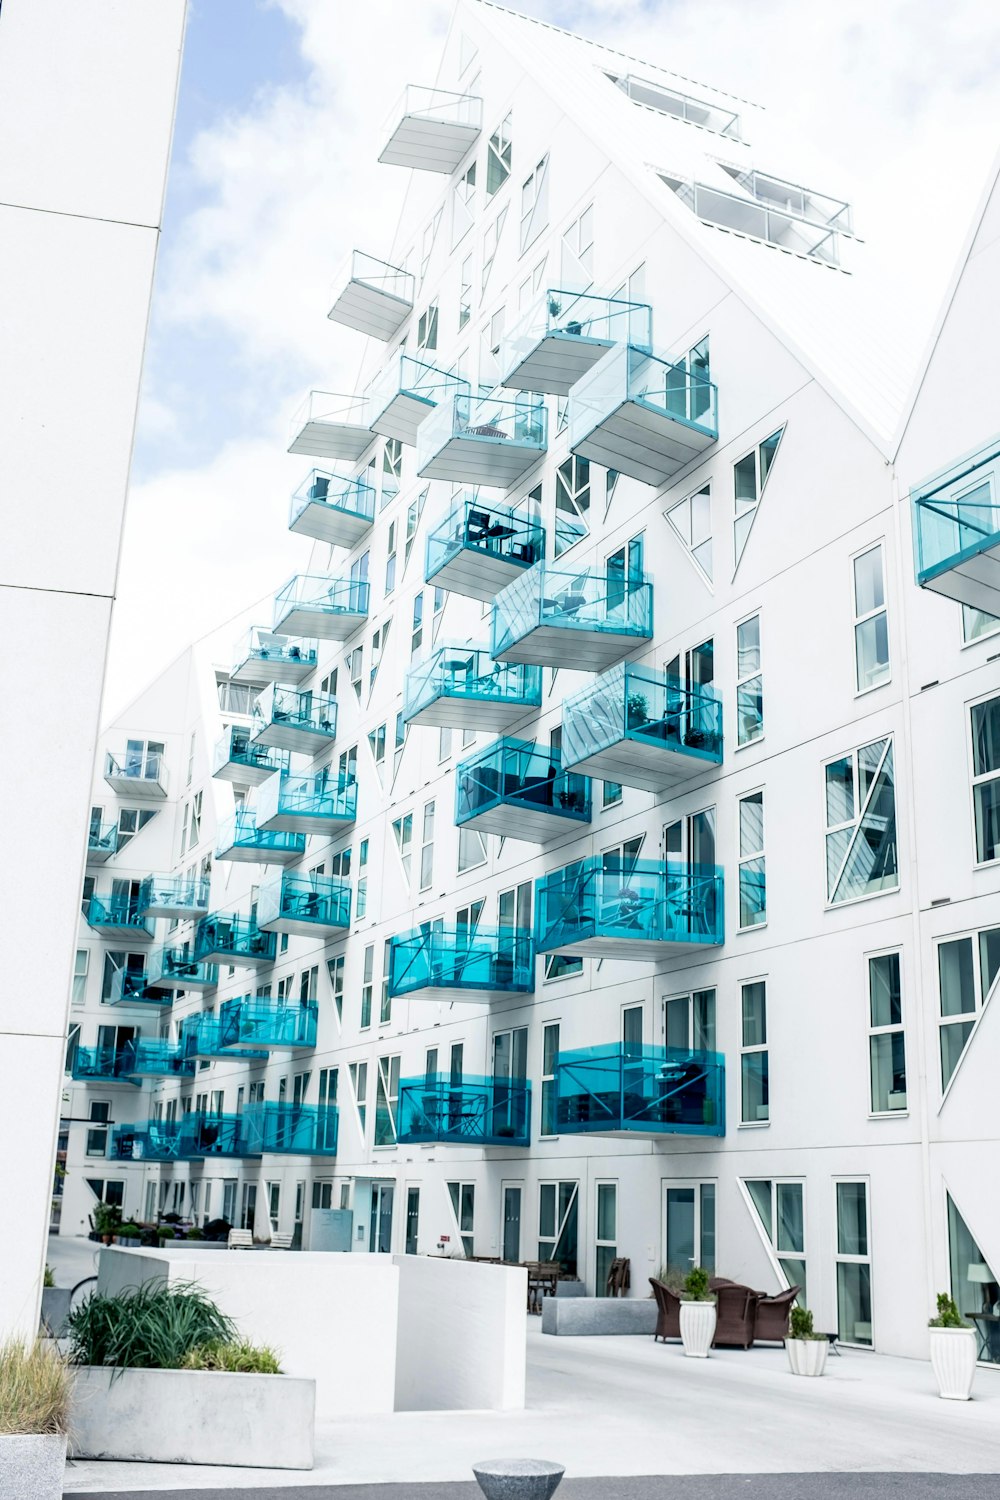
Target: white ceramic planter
<point>807,1356</point>
<point>953,1359</point>
<point>32,1466</point>
<point>697,1328</point>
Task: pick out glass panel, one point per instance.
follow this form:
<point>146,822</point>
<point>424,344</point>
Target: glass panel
<point>606,1211</point>
<point>677,1020</point>
<point>987,803</point>
<point>953,1040</point>
<point>754,1015</point>
<point>883,979</point>
<point>871,862</point>
<point>869,593</point>
<point>871,642</point>
<point>974,1285</point>
<point>956,978</point>
<point>754,1087</point>
<point>888,1064</point>
<point>852,1220</point>
<point>791,1232</point>
<point>989,959</point>
<point>703,1016</point>
<point>854,1302</point>
<point>680,1229</point>
<point>707,1203</point>
<point>760,1194</point>
<point>840,792</point>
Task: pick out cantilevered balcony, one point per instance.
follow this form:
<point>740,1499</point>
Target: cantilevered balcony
<point>439,962</point>
<point>177,969</point>
<point>479,547</point>
<point>304,904</point>
<point>289,807</point>
<point>264,1023</point>
<point>100,1065</point>
<point>173,896</point>
<point>332,509</point>
<point>331,608</point>
<point>331,426</point>
<point>563,335</point>
<point>205,1135</point>
<point>520,791</point>
<point>118,917</point>
<point>147,1140</point>
<point>227,937</point>
<point>476,1112</point>
<point>469,441</point>
<point>628,1090</point>
<point>293,1129</point>
<point>430,130</point>
<point>236,759</point>
<point>138,774</point>
<point>642,415</point>
<point>642,728</point>
<point>405,393</point>
<point>138,986</point>
<point>462,687</point>
<point>102,842</point>
<point>263,656</point>
<point>241,841</point>
<point>646,911</point>
<point>287,719</point>
<point>202,1036</point>
<point>373,297</point>
<point>153,1058</point>
<point>582,619</point>
<point>956,531</point>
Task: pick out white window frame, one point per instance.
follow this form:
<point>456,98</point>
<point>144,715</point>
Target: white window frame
<point>841,1258</point>
<point>867,617</point>
<point>976,781</point>
<point>754,1049</point>
<point>743,680</point>
<point>889,740</point>
<point>500,153</point>
<point>535,204</point>
<point>748,856</point>
<point>889,1029</point>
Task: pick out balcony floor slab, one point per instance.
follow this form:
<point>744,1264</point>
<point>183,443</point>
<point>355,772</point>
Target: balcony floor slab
<point>340,441</point>
<point>650,767</point>
<point>556,363</point>
<point>573,647</point>
<point>401,419</point>
<point>476,574</point>
<point>428,145</point>
<point>645,444</point>
<point>370,309</point>
<point>299,619</point>
<point>328,523</point>
<point>473,459</point>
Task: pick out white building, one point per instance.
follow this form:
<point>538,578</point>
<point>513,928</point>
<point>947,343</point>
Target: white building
<point>726,1003</point>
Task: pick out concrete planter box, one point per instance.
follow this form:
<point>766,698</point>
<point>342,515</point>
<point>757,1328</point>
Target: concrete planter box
<point>32,1466</point>
<point>55,1310</point>
<point>598,1315</point>
<point>193,1417</point>
<point>571,1289</point>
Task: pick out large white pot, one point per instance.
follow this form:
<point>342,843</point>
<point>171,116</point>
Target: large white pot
<point>32,1466</point>
<point>697,1328</point>
<point>953,1359</point>
<point>807,1356</point>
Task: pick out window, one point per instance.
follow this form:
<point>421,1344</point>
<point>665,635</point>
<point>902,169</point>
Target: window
<point>691,519</point>
<point>572,502</point>
<point>885,1035</point>
<point>465,293</point>
<point>689,1021</point>
<point>417,627</point>
<point>444,743</point>
<point>577,263</point>
<point>403,832</point>
<point>854,1271</point>
<point>498,157</point>
<point>780,1209</point>
<point>358,1074</point>
<point>611,793</point>
<point>143,758</point>
<point>386,1100</point>
<point>562,965</point>
<point>355,666</point>
<point>361,901</point>
<point>130,822</point>
<point>385,1005</point>
<point>471,849</point>
<point>328,687</point>
<point>861,857</point>
<point>427,328</point>
<point>974,1284</point>
<point>976,624</point>
<point>535,204</point>
<point>462,1196</point>
<point>606,1238</point>
<point>754,1107</point>
<point>97,1136</point>
<point>335,969</point>
<point>72,1043</point>
<point>376,740</point>
<point>749,682</point>
<point>427,242</point>
<point>463,205</point>
<point>490,339</point>
<point>398,743</point>
<point>750,475</point>
<point>81,967</point>
<point>967,973</point>
<point>871,621</point>
<point>427,848</point>
<point>366,986</point>
<point>550,1092</point>
<point>413,513</point>
<point>753,881</point>
<point>491,243</point>
<point>557,1223</point>
<point>390,559</point>
<point>986,778</point>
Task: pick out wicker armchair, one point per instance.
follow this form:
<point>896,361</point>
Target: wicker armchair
<point>773,1314</point>
<point>668,1311</point>
<point>736,1308</point>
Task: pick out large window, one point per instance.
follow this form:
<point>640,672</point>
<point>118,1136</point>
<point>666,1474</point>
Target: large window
<point>753,873</point>
<point>854,1271</point>
<point>974,1285</point>
<point>535,204</point>
<point>986,778</point>
<point>606,1237</point>
<point>572,502</point>
<point>558,1224</point>
<point>871,621</point>
<point>967,974</point>
<point>471,849</point>
<point>689,1021</point>
<point>550,1084</point>
<point>576,271</point>
<point>97,1135</point>
<point>386,1101</point>
<point>780,1208</point>
<point>885,1035</point>
<point>358,1074</point>
<point>749,682</point>
<point>688,1227</point>
<point>861,855</point>
<point>754,1102</point>
<point>462,1196</point>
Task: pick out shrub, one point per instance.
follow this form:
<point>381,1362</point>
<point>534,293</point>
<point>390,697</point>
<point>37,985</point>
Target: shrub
<point>34,1389</point>
<point>194,1233</point>
<point>672,1278</point>
<point>696,1285</point>
<point>239,1358</point>
<point>151,1327</point>
<point>48,1278</point>
<point>165,1232</point>
<point>948,1315</point>
<point>129,1231</point>
<point>107,1218</point>
<point>801,1325</point>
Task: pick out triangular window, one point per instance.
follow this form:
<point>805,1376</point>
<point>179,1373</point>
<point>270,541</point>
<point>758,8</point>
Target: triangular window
<point>691,519</point>
<point>750,475</point>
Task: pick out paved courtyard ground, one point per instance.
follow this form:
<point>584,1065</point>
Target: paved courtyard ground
<point>699,1487</point>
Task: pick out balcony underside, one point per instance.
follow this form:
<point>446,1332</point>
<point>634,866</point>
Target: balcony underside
<point>556,363</point>
<point>256,854</point>
<point>653,767</point>
<point>370,309</point>
<point>278,669</point>
<point>520,820</point>
<point>476,573</point>
<point>99,854</point>
<point>246,773</point>
<point>328,523</point>
<point>428,145</point>
<point>614,1129</point>
<point>301,739</point>
<point>198,980</point>
<point>238,958</point>
<point>451,994</point>
<point>302,925</point>
<point>471,713</point>
<point>975,581</point>
<point>643,443</point>
<point>402,417</point>
<point>122,931</point>
<point>578,648</point>
<point>301,820</point>
<point>343,441</point>
<point>636,949</point>
<point>303,619</point>
<point>138,788</point>
<point>163,906</point>
<point>479,459</point>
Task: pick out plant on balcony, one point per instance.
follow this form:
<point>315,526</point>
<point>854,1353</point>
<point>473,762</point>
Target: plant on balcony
<point>637,707</point>
<point>698,1315</point>
<point>953,1351</point>
<point>34,1415</point>
<point>807,1350</point>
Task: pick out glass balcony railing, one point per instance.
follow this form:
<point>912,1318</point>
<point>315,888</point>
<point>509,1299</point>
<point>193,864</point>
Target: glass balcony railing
<point>491,442</point>
<point>139,773</point>
<point>331,608</point>
<point>304,904</point>
<point>332,427</point>
<point>430,130</point>
<point>473,1112</point>
<point>373,297</point>
<point>177,969</point>
<point>236,759</point>
<point>102,842</point>
<point>520,791</point>
<point>203,1036</point>
<point>226,937</point>
<point>332,509</point>
<point>173,896</point>
<point>956,531</point>
<point>406,392</point>
<point>99,1065</point>
<point>479,548</point>
<point>640,1091</point>
<point>293,1129</point>
<point>241,841</point>
<point>582,619</point>
<point>204,1135</point>
<point>288,719</point>
<point>798,219</point>
<point>642,415</point>
<point>147,1140</point>
<point>642,728</point>
<point>633,913</point>
<point>263,656</point>
<point>115,916</point>
<point>267,1023</point>
<point>131,987</point>
<point>153,1058</point>
<point>462,687</point>
<point>564,333</point>
<point>668,101</point>
<point>479,962</point>
<point>292,806</point>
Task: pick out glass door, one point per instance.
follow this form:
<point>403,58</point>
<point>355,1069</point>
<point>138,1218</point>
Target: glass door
<point>380,1223</point>
<point>511,1229</point>
<point>688,1227</point>
<point>510,1066</point>
<point>249,1205</point>
<point>412,1220</point>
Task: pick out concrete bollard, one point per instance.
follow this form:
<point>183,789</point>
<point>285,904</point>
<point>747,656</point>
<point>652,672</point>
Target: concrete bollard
<point>517,1478</point>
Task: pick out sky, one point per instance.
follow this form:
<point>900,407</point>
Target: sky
<point>274,180</point>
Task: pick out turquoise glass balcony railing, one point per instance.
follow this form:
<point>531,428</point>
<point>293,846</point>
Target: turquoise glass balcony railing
<point>956,531</point>
<point>178,969</point>
<point>642,728</point>
<point>139,773</point>
<point>406,392</point>
<point>642,415</point>
<point>100,1065</point>
<point>153,1058</point>
<point>641,912</point>
<point>520,791</point>
<point>102,842</point>
<point>173,896</point>
<point>129,987</point>
<point>263,656</point>
<point>242,841</point>
<point>564,334</point>
<point>226,937</point>
<point>475,1112</point>
<point>462,687</point>
<point>292,806</point>
<point>331,608</point>
<point>266,1023</point>
<point>236,759</point>
<point>288,719</point>
<point>479,548</point>
<point>430,130</point>
<point>583,619</point>
<point>332,427</point>
<point>481,963</point>
<point>332,509</point>
<point>118,917</point>
<point>304,903</point>
<point>640,1091</point>
<point>147,1140</point>
<point>293,1129</point>
<point>473,441</point>
<point>203,1036</point>
<point>203,1135</point>
<point>373,297</point>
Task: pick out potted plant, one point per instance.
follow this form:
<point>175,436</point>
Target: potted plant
<point>165,1232</point>
<point>107,1218</point>
<point>953,1351</point>
<point>129,1234</point>
<point>637,710</point>
<point>194,1233</point>
<point>34,1409</point>
<point>697,1315</point>
<point>807,1350</point>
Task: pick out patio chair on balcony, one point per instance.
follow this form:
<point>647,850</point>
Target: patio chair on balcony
<point>668,1311</point>
<point>619,1277</point>
<point>773,1314</point>
<point>736,1309</point>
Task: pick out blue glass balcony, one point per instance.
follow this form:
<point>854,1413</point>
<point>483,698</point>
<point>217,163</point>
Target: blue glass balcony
<point>564,334</point>
<point>102,842</point>
<point>304,904</point>
<point>332,509</point>
<point>462,687</point>
<point>331,608</point>
<point>439,962</point>
<point>100,1065</point>
<point>642,415</point>
<point>520,791</point>
<point>479,548</point>
<point>289,807</point>
<point>641,728</point>
<point>405,393</point>
<point>177,969</point>
<point>648,911</point>
<point>203,1036</point>
<point>263,656</point>
<point>332,427</point>
<point>373,297</point>
<point>292,1129</point>
<point>430,130</point>
<point>236,759</point>
<point>137,775</point>
<point>956,531</point>
<point>204,1135</point>
<point>118,917</point>
<point>173,896</point>
<point>475,1112</point>
<point>288,719</point>
<point>147,1140</point>
<point>583,619</point>
<point>241,841</point>
<point>129,987</point>
<point>640,1091</point>
<point>153,1058</point>
<point>470,441</point>
<point>267,1023</point>
<point>226,937</point>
